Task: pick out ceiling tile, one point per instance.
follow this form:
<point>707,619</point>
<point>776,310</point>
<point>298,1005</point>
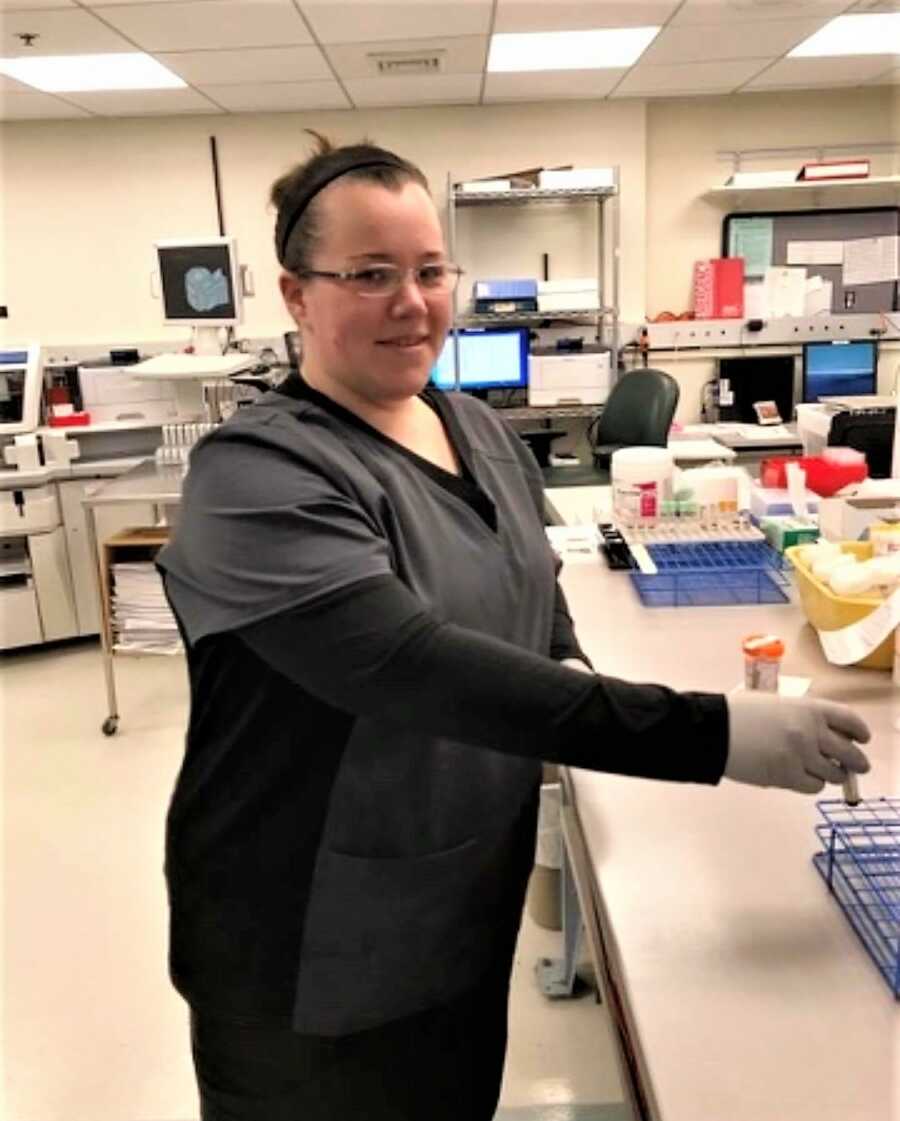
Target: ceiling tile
<point>31,5</point>
<point>465,55</point>
<point>142,103</point>
<point>562,15</point>
<point>433,89</point>
<point>255,64</point>
<point>551,84</point>
<point>10,85</point>
<point>31,106</point>
<point>69,31</point>
<point>278,97</point>
<point>210,24</point>
<point>802,72</point>
<point>374,21</point>
<point>688,78</point>
<point>876,6</point>
<point>761,40</point>
<point>695,12</point>
<point>887,78</point>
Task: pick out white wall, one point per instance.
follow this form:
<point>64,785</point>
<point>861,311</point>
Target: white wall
<point>83,201</point>
<point>683,137</point>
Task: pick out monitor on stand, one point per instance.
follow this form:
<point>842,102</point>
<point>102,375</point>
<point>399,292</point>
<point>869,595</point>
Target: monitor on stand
<point>746,380</point>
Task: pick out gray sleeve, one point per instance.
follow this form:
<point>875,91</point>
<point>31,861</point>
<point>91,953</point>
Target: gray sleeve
<point>263,530</point>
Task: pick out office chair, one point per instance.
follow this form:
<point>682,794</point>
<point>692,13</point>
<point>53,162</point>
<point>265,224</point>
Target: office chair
<point>871,433</point>
<point>637,413</point>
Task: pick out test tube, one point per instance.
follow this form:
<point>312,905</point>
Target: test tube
<point>851,790</point>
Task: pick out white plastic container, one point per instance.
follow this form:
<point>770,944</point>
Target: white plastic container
<point>844,456</point>
<point>641,481</point>
<point>813,426</point>
<point>568,295</point>
<point>724,490</point>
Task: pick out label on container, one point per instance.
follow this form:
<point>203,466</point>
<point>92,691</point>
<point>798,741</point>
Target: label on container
<point>851,644</point>
<point>761,675</point>
<point>637,500</point>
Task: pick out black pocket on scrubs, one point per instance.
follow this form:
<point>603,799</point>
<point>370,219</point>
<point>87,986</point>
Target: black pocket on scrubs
<point>387,938</point>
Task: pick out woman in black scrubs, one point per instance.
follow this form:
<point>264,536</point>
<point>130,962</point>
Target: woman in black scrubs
<point>380,656</point>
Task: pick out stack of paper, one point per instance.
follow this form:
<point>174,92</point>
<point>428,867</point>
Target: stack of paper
<point>141,619</point>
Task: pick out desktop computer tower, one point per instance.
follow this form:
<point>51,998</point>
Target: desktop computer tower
<point>743,381</point>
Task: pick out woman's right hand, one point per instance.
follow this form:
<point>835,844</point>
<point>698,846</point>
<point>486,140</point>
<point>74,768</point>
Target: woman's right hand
<point>794,743</point>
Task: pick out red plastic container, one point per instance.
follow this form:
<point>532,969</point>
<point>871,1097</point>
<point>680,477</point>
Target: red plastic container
<point>822,478</point>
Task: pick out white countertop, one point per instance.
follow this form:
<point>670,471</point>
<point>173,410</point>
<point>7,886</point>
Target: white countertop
<point>15,479</point>
<point>697,449</point>
<point>750,996</point>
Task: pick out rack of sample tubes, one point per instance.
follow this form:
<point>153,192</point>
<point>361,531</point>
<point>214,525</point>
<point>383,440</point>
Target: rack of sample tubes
<point>688,523</point>
<point>178,441</point>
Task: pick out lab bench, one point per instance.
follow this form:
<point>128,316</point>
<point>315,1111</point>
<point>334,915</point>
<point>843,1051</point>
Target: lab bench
<point>736,986</point>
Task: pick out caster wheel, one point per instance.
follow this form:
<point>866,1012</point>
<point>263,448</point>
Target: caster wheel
<point>110,725</point>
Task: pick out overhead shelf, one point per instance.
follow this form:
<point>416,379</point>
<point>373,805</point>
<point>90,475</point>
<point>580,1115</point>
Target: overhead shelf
<point>579,315</point>
<point>878,184</point>
<point>531,194</point>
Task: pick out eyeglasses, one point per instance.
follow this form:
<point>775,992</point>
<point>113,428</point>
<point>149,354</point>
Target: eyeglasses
<point>437,277</point>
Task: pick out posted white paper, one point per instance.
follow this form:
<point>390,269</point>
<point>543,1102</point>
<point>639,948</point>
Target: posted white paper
<point>786,292</point>
<point>818,296</point>
<point>815,252</point>
<point>755,304</point>
<point>851,644</point>
<point>871,260</point>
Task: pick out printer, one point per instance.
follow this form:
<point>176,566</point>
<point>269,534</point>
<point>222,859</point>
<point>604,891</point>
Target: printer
<point>581,377</point>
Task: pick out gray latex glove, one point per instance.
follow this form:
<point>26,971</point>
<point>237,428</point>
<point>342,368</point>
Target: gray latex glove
<point>796,743</point>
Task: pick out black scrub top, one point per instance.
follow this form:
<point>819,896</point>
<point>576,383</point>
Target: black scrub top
<point>370,643</point>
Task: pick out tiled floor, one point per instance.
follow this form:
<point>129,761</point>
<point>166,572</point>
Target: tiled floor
<point>92,1029</point>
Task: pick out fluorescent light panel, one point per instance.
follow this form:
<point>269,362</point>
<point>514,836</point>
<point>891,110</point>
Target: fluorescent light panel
<point>81,73</point>
<point>601,49</point>
<point>871,33</point>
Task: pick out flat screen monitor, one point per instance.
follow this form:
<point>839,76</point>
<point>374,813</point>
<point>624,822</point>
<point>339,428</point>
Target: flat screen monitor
<point>839,369</point>
<point>493,358</point>
<point>200,282</point>
<point>760,377</point>
<point>20,389</point>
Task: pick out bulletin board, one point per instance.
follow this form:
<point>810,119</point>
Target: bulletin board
<point>811,238</point>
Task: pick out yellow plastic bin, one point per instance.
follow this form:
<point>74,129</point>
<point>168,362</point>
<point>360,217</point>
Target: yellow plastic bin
<point>829,612</point>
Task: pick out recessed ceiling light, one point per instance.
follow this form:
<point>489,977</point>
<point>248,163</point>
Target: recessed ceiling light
<point>79,73</point>
<point>569,50</point>
<point>870,33</point>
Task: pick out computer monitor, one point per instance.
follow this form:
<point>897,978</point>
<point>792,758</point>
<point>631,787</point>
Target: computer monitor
<point>759,377</point>
<point>491,358</point>
<point>20,389</point>
<point>839,369</point>
<point>201,286</point>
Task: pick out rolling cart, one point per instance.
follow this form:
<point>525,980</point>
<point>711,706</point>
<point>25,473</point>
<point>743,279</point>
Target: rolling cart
<point>149,482</point>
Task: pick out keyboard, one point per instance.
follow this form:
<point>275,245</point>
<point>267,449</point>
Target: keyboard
<point>193,365</point>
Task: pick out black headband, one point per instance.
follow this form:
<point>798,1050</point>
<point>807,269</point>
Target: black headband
<point>290,215</point>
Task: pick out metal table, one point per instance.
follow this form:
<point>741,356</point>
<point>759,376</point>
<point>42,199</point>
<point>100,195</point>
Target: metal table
<point>149,482</point>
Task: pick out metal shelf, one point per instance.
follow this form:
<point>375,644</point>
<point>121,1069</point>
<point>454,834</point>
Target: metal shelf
<point>484,319</point>
<point>530,194</point>
<point>549,412</point>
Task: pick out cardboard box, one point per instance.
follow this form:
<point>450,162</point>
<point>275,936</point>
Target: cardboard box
<point>577,294</point>
<point>719,288</point>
